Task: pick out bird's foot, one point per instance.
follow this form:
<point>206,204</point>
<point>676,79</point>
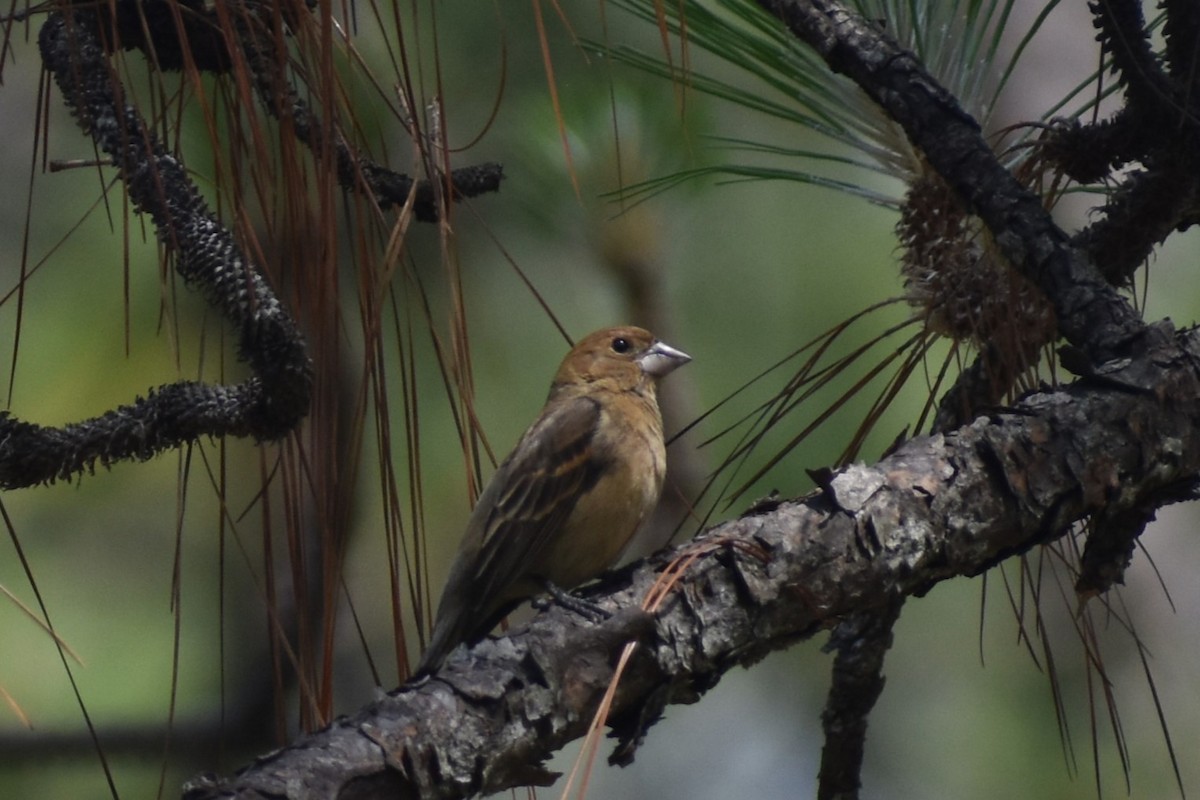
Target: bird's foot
<point>584,608</point>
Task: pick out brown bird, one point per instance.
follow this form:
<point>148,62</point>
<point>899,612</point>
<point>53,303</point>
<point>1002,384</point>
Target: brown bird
<point>569,497</point>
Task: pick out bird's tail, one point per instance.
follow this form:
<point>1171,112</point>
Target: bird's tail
<point>445,638</point>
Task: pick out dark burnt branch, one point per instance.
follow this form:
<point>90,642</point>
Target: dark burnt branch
<point>172,32</point>
<point>267,65</point>
<point>861,642</point>
<point>1112,538</point>
<point>1181,34</point>
<point>1121,31</point>
<point>1150,205</point>
<point>266,406</point>
<point>1088,154</point>
<point>983,385</point>
<point>939,507</point>
<point>75,45</point>
<point>1158,128</point>
<point>1090,314</point>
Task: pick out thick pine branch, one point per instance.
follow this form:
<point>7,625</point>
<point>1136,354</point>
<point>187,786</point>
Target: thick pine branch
<point>1125,40</point>
<point>266,406</point>
<point>1090,314</point>
<point>174,33</point>
<point>1156,129</point>
<point>940,507</point>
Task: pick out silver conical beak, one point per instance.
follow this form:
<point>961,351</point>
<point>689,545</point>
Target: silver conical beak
<point>661,359</point>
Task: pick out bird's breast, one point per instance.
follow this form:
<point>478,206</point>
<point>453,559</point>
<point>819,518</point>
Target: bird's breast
<point>606,517</point>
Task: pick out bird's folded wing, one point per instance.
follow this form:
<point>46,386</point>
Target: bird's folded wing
<point>534,492</point>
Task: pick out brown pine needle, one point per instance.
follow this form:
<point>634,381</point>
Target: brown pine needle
<point>11,702</point>
<point>552,86</point>
<point>651,603</point>
<point>33,616</point>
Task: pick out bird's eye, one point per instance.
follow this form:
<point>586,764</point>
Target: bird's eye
<point>620,345</point>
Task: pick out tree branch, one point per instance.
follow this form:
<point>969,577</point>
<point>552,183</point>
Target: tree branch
<point>861,641</point>
<point>1091,315</point>
<point>1157,127</point>
<point>939,507</point>
<point>267,405</point>
<point>1123,36</point>
<point>174,35</point>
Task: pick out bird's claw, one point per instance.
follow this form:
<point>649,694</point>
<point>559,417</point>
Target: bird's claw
<point>584,608</point>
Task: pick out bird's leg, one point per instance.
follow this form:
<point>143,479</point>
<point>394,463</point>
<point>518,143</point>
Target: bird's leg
<point>584,608</point>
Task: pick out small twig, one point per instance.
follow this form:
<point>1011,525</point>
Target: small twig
<point>62,164</point>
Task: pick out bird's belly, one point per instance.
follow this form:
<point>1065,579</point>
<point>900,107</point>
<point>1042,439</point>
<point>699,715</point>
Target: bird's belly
<point>598,530</point>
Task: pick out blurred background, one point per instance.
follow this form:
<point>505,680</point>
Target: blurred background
<point>161,594</point>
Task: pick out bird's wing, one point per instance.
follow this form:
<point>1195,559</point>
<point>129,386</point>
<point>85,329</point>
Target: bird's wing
<point>535,490</point>
<point>527,501</point>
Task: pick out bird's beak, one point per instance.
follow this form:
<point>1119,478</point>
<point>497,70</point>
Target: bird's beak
<point>661,359</point>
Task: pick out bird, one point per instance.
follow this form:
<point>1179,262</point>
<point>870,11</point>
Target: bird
<point>563,505</point>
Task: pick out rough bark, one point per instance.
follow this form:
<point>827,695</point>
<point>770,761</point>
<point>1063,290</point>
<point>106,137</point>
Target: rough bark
<point>939,507</point>
<point>1090,314</point>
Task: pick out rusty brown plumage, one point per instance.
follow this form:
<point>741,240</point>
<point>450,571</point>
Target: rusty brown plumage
<point>569,497</point>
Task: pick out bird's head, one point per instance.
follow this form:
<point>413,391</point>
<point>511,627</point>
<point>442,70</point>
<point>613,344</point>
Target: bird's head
<point>622,359</point>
